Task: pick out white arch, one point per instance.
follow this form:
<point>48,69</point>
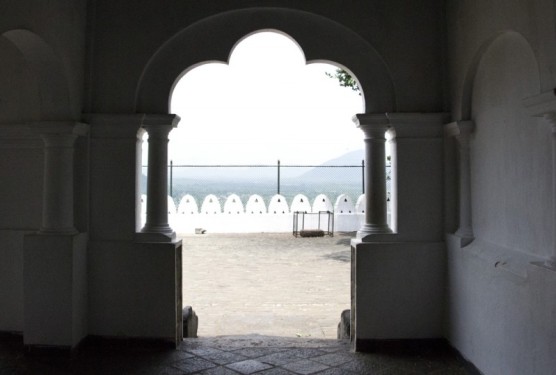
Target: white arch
<point>188,205</point>
<point>344,205</point>
<point>48,75</point>
<point>255,205</point>
<point>322,203</point>
<point>278,205</point>
<point>211,205</point>
<point>213,39</point>
<point>301,203</point>
<point>233,205</point>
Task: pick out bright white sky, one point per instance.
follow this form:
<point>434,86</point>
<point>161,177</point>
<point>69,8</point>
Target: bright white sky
<point>267,104</point>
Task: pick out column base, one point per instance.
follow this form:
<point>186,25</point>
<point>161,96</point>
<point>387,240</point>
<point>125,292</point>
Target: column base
<point>60,231</point>
<point>390,282</point>
<point>152,236</point>
<point>368,230</point>
<point>466,236</point>
<point>55,290</point>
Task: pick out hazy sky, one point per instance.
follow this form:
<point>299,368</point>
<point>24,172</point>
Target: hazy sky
<point>266,104</point>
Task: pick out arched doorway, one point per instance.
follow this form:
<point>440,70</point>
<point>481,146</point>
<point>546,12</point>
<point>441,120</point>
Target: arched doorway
<point>213,38</point>
<point>265,281</point>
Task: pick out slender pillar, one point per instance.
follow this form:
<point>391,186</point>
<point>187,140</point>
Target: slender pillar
<point>156,228</point>
<point>374,128</point>
<point>55,258</point>
<point>462,131</point>
<point>59,139</point>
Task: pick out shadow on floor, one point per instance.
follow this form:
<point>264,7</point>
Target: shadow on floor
<point>252,354</point>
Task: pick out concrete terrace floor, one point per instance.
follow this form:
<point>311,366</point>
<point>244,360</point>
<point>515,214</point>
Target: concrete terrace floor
<point>267,283</point>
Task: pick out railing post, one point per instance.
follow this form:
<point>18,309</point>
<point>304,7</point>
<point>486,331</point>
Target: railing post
<point>171,177</point>
<point>278,176</point>
<point>363,176</point>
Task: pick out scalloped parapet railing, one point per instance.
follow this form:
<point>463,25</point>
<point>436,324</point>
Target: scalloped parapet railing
<point>186,214</point>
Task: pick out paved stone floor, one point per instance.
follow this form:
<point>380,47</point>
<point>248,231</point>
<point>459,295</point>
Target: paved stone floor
<point>268,284</point>
<point>253,354</point>
<point>277,298</point>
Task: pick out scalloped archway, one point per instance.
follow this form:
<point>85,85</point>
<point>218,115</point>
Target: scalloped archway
<point>214,38</point>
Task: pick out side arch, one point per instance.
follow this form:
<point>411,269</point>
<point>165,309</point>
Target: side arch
<point>465,109</point>
<point>50,94</point>
<point>214,38</point>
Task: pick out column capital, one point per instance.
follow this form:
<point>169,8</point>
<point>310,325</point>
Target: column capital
<point>160,121</point>
<point>543,105</point>
<point>373,125</point>
<point>459,128</point>
<point>45,128</point>
<point>417,124</point>
<point>114,125</point>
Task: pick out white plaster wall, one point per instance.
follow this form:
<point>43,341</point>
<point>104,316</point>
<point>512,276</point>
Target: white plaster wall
<point>55,289</point>
<point>132,289</point>
<point>500,307</point>
<point>510,152</point>
<point>255,219</point>
<point>59,25</point>
<point>11,280</point>
<point>21,210</point>
<point>413,62</point>
<point>399,290</point>
<point>21,186</point>
<point>20,97</point>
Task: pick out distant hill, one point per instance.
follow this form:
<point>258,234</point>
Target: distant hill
<point>192,175</point>
<point>323,174</point>
<point>351,158</point>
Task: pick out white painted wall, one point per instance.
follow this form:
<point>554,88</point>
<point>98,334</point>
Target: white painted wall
<point>500,306</point>
<point>11,280</point>
<point>510,151</point>
<point>42,54</point>
<point>254,218</point>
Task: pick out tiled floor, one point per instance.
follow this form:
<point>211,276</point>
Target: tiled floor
<point>252,354</point>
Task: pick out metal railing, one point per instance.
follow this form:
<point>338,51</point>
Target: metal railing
<point>322,175</point>
<point>278,166</point>
<point>266,179</point>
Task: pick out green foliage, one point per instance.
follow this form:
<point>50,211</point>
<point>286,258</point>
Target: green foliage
<point>345,79</point>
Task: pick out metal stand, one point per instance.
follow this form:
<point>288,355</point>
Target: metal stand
<point>299,227</point>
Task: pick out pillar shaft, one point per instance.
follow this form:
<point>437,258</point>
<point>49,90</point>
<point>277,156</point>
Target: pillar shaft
<point>59,139</point>
<point>465,230</point>
<point>158,128</point>
<point>57,214</point>
<point>374,129</point>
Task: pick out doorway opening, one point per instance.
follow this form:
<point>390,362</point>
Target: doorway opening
<point>266,107</point>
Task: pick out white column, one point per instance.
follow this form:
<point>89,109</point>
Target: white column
<point>59,139</point>
<point>462,131</point>
<point>374,128</point>
<point>156,228</point>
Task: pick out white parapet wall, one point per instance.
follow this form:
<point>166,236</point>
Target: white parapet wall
<point>231,215</point>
